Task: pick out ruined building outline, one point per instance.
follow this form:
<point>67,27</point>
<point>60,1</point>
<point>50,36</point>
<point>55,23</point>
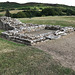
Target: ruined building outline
<point>31,34</point>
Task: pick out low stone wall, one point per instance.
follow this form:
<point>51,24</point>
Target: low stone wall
<point>20,31</point>
<point>31,39</point>
<point>8,23</point>
<point>25,38</point>
<point>5,26</point>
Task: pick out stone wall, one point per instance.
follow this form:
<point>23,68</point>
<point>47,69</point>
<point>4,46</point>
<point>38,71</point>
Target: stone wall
<point>8,23</point>
<point>19,32</point>
<point>31,39</point>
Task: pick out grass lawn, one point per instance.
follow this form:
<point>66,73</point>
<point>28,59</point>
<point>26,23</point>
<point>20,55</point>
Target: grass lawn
<point>54,20</point>
<point>20,59</point>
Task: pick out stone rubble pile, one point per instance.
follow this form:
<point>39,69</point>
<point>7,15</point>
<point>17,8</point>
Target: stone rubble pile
<point>25,38</point>
<point>67,29</point>
<point>10,22</point>
<point>32,28</point>
<point>53,27</point>
<point>20,31</point>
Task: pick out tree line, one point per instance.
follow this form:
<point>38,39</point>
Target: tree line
<point>43,12</point>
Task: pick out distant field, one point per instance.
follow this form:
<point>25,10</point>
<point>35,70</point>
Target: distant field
<point>54,20</point>
<point>12,11</point>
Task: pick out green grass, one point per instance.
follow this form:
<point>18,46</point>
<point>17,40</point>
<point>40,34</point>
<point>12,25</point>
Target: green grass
<point>19,59</point>
<point>1,31</point>
<point>54,20</point>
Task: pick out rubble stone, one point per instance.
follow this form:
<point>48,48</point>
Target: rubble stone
<point>19,32</point>
<point>58,32</point>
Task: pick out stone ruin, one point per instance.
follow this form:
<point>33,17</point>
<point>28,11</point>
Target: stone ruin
<point>31,34</point>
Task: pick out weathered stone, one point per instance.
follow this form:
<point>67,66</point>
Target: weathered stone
<point>53,37</point>
<point>53,27</point>
<point>67,29</point>
<point>20,32</point>
<point>58,32</point>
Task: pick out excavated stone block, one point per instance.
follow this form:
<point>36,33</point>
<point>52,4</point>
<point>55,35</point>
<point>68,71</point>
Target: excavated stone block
<point>58,32</point>
<point>53,37</point>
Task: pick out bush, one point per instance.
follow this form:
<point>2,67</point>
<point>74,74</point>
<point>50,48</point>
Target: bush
<point>48,12</point>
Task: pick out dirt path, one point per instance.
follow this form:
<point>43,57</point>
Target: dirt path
<point>62,50</point>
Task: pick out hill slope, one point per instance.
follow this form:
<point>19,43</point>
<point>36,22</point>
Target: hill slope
<point>32,9</point>
<point>17,5</point>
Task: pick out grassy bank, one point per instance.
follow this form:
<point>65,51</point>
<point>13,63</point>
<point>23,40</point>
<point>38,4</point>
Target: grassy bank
<point>19,59</point>
<point>54,20</point>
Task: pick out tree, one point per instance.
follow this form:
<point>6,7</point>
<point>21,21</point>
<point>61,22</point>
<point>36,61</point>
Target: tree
<point>8,14</point>
<point>48,12</point>
<point>21,15</point>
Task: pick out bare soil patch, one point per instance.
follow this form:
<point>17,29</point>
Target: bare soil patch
<point>62,50</point>
<point>40,32</point>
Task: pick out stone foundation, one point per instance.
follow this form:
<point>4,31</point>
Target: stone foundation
<point>29,33</point>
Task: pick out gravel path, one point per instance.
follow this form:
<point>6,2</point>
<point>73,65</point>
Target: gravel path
<point>62,50</point>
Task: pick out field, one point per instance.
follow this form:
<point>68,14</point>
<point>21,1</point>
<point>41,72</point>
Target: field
<point>51,20</point>
<point>11,11</point>
<point>20,59</point>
